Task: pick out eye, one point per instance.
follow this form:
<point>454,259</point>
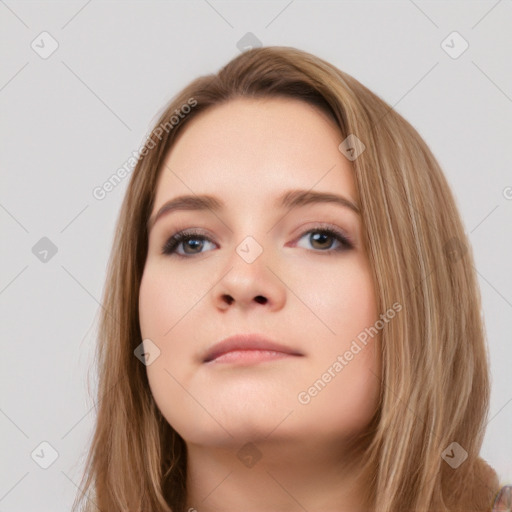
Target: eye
<point>324,238</point>
<point>191,240</point>
<point>321,238</point>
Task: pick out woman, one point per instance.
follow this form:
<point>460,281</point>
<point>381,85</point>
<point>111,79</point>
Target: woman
<point>240,367</point>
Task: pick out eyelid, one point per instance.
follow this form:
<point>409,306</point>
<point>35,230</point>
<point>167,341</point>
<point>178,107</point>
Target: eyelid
<point>180,227</point>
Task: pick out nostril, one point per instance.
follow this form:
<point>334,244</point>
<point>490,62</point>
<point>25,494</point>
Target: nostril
<point>260,300</point>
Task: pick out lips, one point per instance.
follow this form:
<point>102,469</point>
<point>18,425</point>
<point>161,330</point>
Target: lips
<point>247,342</point>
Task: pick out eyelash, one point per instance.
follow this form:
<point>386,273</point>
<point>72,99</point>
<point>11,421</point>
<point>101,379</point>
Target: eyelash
<point>175,240</point>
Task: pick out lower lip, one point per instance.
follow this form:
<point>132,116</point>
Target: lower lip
<point>250,356</point>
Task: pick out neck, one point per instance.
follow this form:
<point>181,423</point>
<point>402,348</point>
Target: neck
<point>275,477</point>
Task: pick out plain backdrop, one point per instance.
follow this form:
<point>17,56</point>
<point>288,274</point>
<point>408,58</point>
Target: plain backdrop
<point>81,83</point>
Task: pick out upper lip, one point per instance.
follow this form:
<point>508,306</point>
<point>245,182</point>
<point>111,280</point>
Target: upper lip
<point>246,342</point>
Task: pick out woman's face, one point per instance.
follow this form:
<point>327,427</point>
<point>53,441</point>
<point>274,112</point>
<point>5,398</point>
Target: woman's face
<point>255,266</point>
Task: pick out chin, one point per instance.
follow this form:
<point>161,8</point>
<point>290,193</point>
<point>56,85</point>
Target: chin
<point>239,428</point>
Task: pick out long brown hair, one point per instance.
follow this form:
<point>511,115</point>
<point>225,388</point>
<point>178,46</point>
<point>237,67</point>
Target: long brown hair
<point>435,384</point>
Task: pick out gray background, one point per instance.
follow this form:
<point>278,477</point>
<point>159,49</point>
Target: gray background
<point>70,120</point>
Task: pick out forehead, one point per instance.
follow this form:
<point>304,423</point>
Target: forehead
<point>252,149</point>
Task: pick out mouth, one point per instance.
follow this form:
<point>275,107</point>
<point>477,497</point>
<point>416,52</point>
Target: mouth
<point>248,349</point>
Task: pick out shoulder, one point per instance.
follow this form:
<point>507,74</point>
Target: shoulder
<point>503,501</point>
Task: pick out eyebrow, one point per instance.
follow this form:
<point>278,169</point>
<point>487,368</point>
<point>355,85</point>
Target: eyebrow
<point>288,200</point>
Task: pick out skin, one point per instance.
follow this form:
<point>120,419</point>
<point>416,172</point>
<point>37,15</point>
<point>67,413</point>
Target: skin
<point>247,152</point>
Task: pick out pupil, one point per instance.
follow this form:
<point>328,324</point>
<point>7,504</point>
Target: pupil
<point>321,235</point>
<point>191,243</point>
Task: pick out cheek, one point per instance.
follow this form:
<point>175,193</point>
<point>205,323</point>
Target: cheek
<point>342,297</point>
<point>163,299</point>
<point>346,304</point>
<point>162,304</point>
<point>346,402</point>
<point>165,313</point>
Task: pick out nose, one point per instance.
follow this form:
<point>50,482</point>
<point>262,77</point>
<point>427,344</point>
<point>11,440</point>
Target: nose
<point>228,299</point>
<point>247,284</point>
